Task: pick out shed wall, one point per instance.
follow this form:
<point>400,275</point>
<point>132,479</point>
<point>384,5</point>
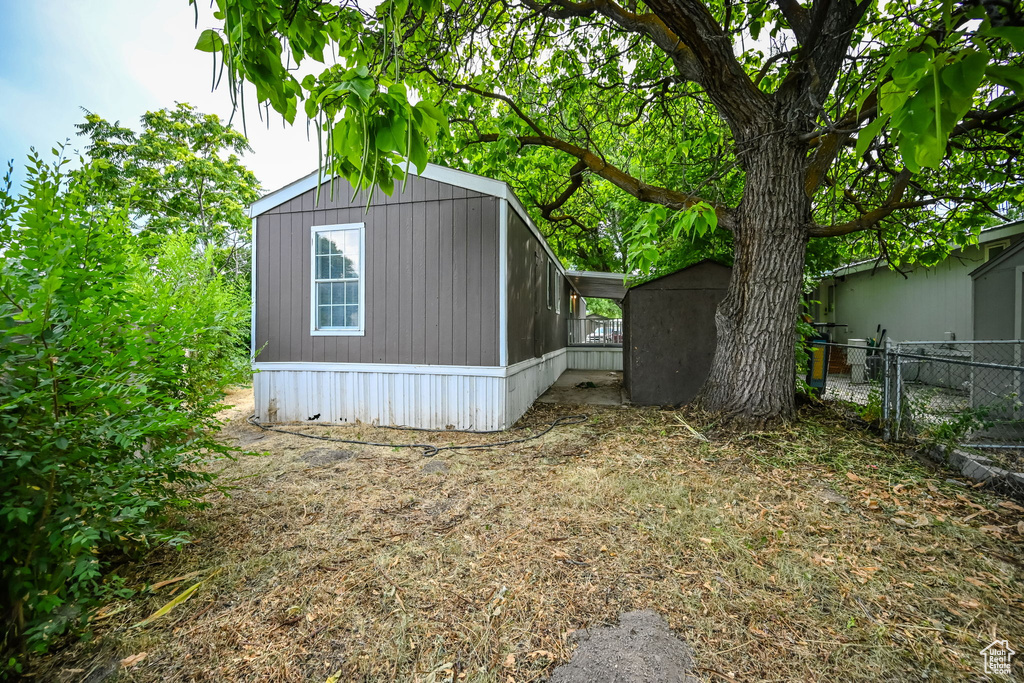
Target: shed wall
<point>431,277</point>
<point>669,334</point>
<point>996,309</point>
<point>533,329</point>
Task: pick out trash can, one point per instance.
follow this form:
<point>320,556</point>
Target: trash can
<point>817,366</point>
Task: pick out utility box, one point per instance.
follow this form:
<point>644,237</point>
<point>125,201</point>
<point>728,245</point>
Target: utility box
<point>669,333</point>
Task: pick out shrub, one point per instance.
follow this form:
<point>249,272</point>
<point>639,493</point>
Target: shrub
<point>111,368</point>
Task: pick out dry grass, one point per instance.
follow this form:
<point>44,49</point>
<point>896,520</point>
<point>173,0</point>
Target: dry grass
<point>808,554</point>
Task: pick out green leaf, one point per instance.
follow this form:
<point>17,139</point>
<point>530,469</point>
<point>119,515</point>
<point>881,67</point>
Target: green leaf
<point>210,41</point>
<point>869,133</point>
<point>1011,77</point>
<point>418,152</point>
<point>178,599</point>
<point>1014,34</point>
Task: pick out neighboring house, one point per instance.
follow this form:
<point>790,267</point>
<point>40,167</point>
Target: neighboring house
<point>440,306</point>
<point>930,303</point>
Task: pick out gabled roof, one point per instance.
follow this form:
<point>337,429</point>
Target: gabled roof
<point>441,174</point>
<point>1006,254</point>
<point>703,261</point>
<point>987,235</point>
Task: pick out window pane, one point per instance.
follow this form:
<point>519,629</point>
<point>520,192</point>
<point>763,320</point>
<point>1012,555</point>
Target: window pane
<point>323,264</point>
<point>352,313</point>
<point>338,296</point>
<point>352,292</point>
<point>335,238</point>
<point>323,245</point>
<point>323,317</point>
<point>338,316</point>
<point>337,269</point>
<point>352,251</point>
<point>323,294</point>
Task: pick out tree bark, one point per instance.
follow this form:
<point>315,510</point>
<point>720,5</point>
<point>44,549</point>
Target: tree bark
<point>752,379</point>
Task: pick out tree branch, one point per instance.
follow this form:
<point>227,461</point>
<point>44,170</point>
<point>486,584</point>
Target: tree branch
<point>652,194</point>
<point>648,25</point>
<point>871,218</point>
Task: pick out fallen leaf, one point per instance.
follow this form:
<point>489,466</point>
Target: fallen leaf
<point>852,477</point>
<point>1011,506</point>
<point>160,584</point>
<point>134,659</point>
<point>542,653</point>
<point>1020,528</point>
<point>510,661</point>
<point>185,595</point>
<point>975,582</point>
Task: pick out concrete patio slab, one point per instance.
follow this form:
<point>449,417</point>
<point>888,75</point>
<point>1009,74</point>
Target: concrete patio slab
<point>586,387</point>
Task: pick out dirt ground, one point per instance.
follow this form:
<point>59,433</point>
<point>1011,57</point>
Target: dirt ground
<point>809,553</point>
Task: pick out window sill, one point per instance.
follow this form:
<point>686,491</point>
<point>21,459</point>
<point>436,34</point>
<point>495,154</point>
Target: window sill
<point>337,333</point>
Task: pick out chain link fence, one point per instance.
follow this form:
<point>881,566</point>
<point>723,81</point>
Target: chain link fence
<point>962,399</point>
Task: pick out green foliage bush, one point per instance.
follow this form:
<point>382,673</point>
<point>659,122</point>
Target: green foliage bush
<point>112,363</point>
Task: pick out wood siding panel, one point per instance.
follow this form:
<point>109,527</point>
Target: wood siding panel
<point>446,273</point>
<point>533,329</point>
<point>430,276</point>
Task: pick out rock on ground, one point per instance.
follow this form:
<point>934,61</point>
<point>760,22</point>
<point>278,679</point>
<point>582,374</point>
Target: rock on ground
<point>641,649</point>
<point>436,466</point>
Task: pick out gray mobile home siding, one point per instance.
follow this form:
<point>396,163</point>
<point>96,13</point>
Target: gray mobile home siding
<point>431,277</point>
<point>533,328</point>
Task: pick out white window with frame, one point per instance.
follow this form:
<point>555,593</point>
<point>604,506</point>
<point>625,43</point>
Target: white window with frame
<point>338,278</point>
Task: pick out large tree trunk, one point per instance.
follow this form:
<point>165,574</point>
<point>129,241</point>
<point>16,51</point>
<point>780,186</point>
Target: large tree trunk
<point>752,378</point>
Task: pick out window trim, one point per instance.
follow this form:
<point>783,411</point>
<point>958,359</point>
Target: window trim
<point>549,281</point>
<point>1005,244</point>
<point>557,294</point>
<point>337,331</point>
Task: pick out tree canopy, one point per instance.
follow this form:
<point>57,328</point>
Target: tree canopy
<point>181,175</point>
<point>890,128</point>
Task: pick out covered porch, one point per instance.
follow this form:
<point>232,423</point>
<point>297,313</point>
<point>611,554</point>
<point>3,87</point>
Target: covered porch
<point>595,342</point>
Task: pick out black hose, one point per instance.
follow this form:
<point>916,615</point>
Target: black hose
<point>430,450</point>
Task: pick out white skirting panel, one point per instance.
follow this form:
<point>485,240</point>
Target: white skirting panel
<point>595,358</point>
<point>529,380</point>
<point>431,397</point>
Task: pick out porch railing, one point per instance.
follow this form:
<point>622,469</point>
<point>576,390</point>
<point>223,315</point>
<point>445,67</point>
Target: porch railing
<point>595,332</point>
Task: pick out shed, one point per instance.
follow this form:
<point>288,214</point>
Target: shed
<point>669,333</point>
<point>998,305</point>
<point>999,316</point>
<point>441,305</point>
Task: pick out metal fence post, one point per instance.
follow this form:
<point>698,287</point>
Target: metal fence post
<point>886,378</point>
<point>899,395</point>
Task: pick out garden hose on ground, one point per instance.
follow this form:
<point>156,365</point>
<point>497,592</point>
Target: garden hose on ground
<point>430,450</point>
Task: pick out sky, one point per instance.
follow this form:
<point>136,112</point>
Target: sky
<point>120,59</point>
